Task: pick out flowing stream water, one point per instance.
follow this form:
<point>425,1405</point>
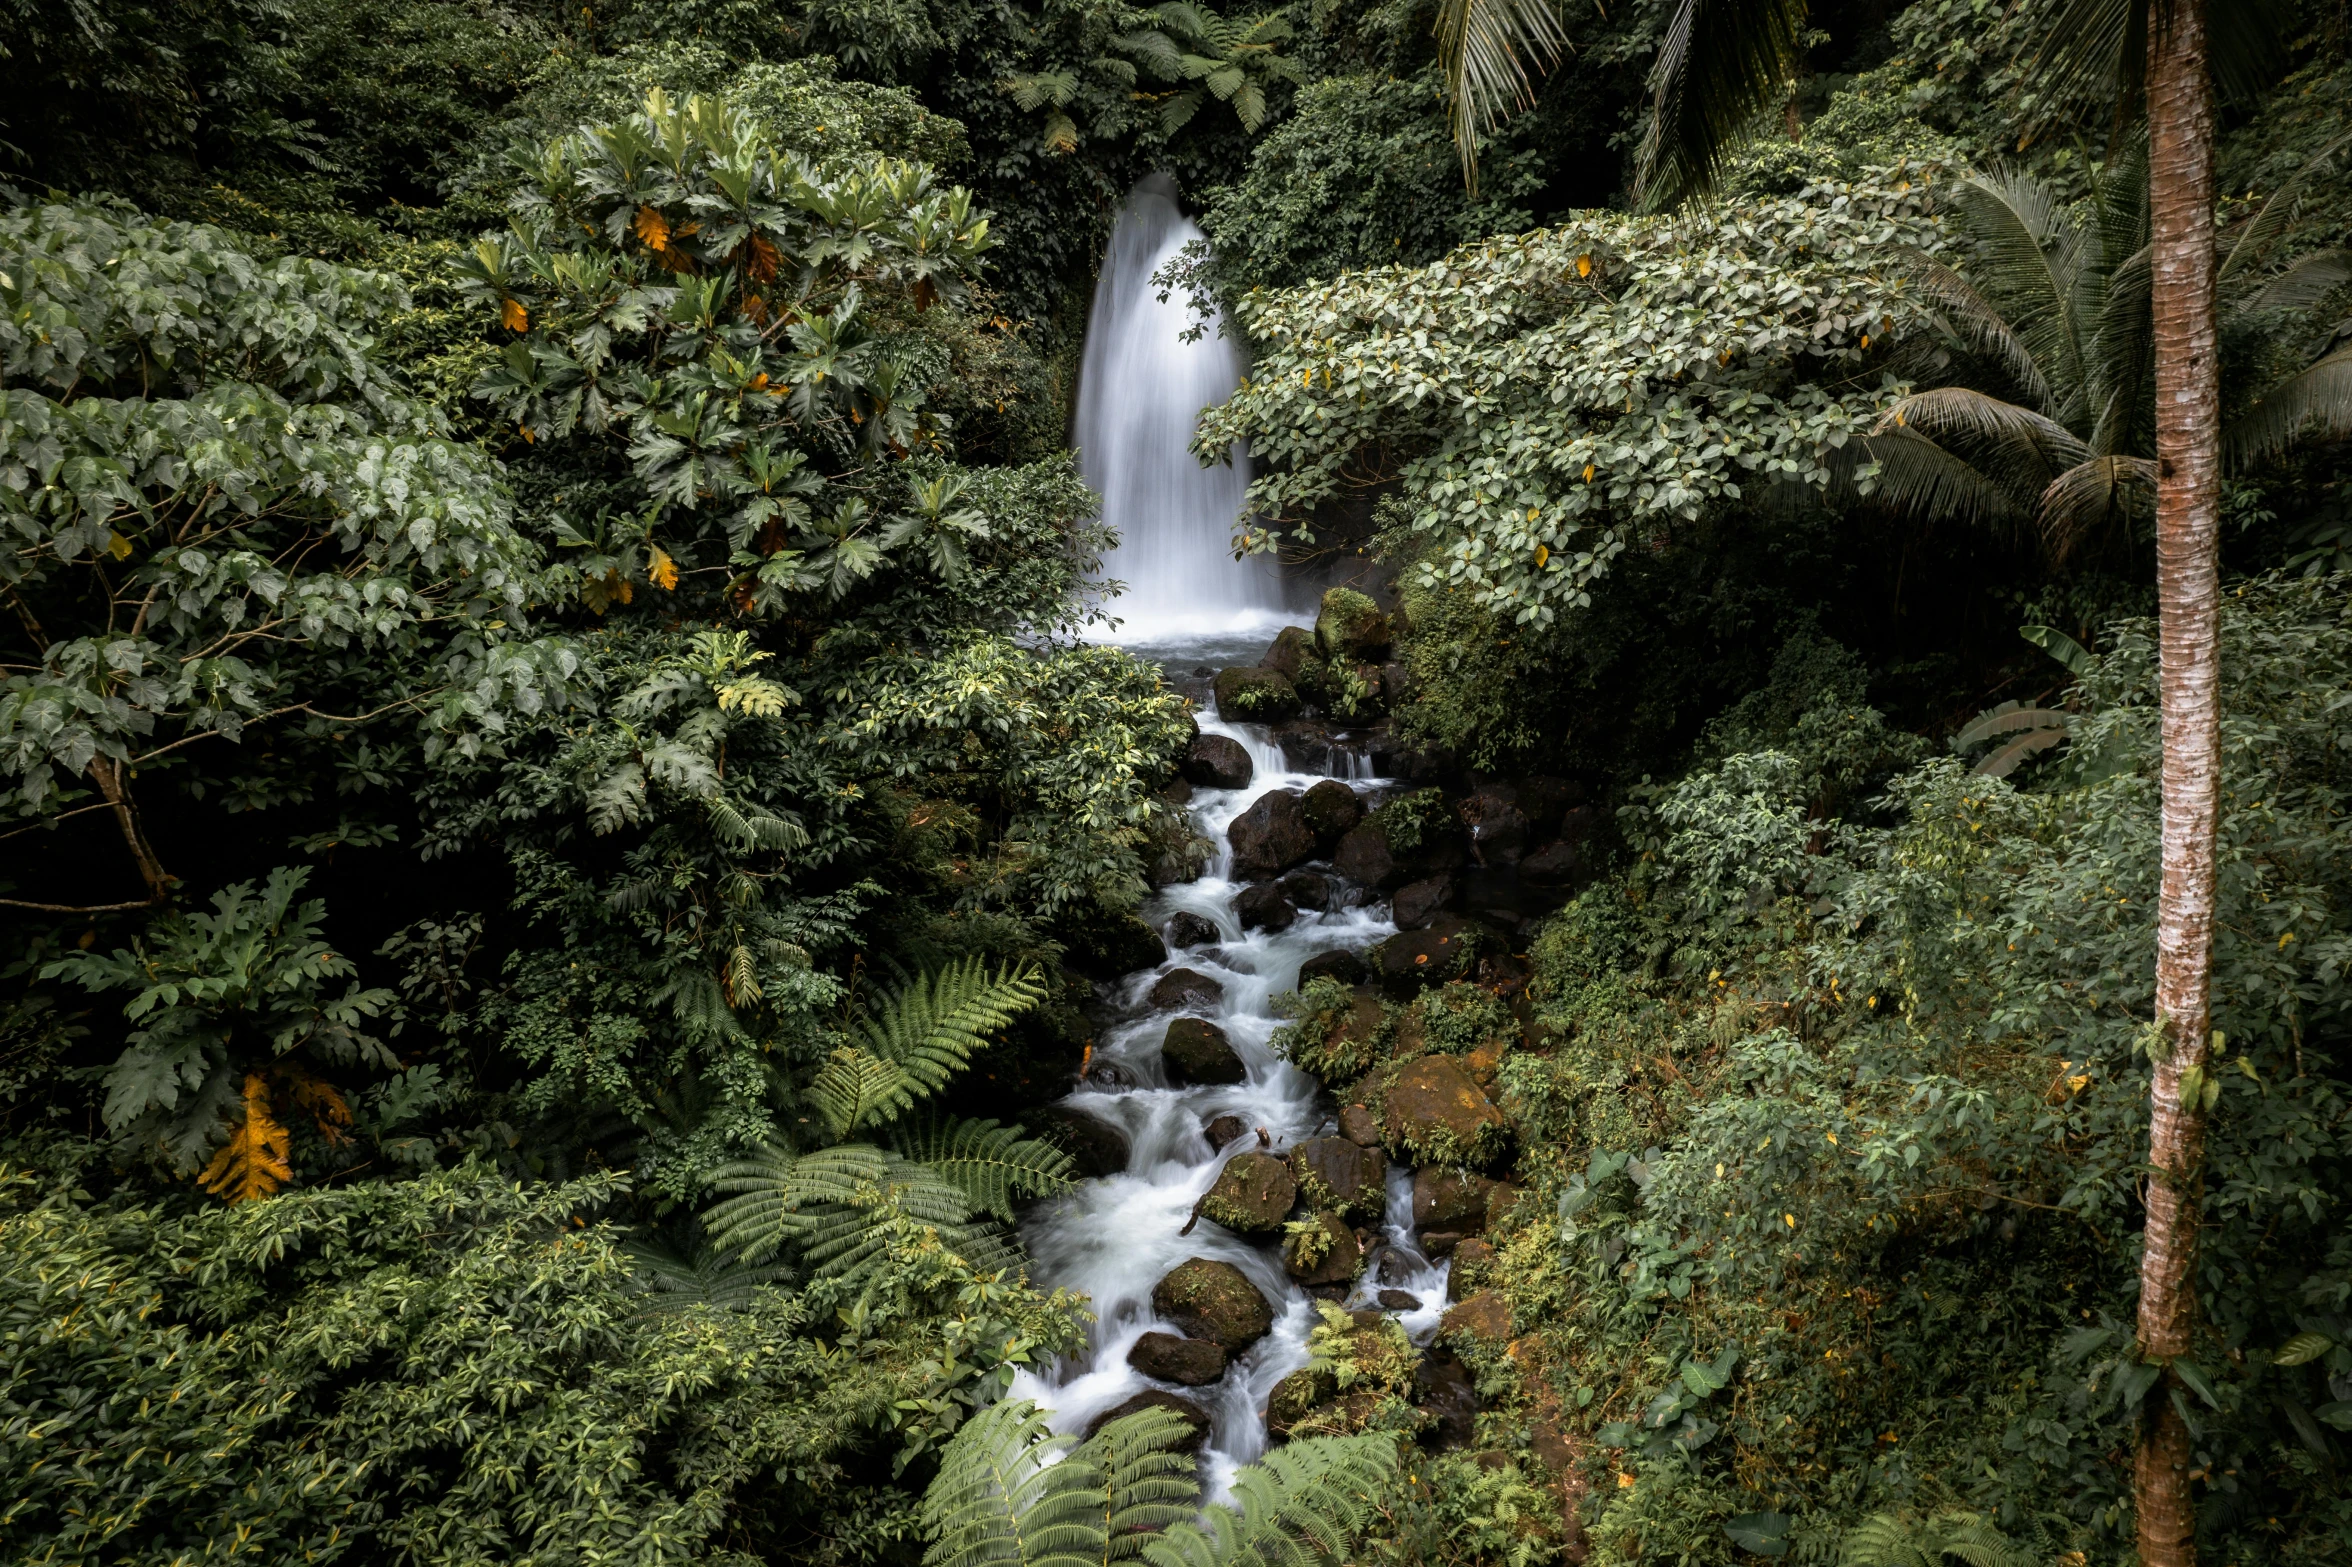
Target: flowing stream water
<point>1116,1236</point>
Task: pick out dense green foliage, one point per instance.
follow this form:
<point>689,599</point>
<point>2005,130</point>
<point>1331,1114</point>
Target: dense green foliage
<point>562,823</point>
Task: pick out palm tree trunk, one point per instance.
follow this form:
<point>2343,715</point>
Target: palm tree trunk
<point>2188,518</point>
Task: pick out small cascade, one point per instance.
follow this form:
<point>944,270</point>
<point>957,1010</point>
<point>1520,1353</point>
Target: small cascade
<point>1117,1236</point>
<point>1141,389</point>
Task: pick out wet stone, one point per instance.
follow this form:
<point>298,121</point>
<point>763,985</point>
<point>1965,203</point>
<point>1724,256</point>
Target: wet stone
<point>1224,1129</point>
<point>1394,1265</point>
<point>1556,864</point>
<point>1192,930</point>
<point>1164,1357</point>
<point>1270,837</point>
<point>1254,694</point>
<point>1252,1195</point>
<point>1306,889</point>
<point>1098,1147</point>
<point>1295,1397</point>
<point>1327,1253</point>
<point>1443,1390</point>
<point>1215,1301</point>
<point>1357,1125</point>
<point>1184,989</point>
<point>1398,1300</point>
<point>1332,809</point>
<point>1437,1114</point>
<point>1292,650</point>
<point>1197,1051</point>
<point>1340,1175</point>
<point>1262,906</point>
<point>1342,965</point>
<point>1152,1398</point>
<point>1450,1199</point>
<point>1217,762</point>
<point>1418,903</point>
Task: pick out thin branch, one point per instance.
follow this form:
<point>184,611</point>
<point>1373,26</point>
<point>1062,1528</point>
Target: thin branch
<point>51,821</point>
<point>78,908</point>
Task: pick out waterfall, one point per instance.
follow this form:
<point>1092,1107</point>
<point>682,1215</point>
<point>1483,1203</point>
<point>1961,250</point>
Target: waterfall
<point>1141,389</point>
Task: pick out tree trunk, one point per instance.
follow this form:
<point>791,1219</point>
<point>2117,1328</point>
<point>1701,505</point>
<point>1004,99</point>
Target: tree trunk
<point>2188,525</point>
<point>113,782</point>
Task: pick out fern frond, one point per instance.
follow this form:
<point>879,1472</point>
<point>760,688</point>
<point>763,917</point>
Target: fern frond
<point>774,1188</point>
<point>1012,1494</point>
<point>1889,1540</point>
<point>930,1029</point>
<point>993,1166</point>
<point>675,1282</point>
<point>1300,1505</point>
<point>853,1088</point>
<point>1148,1483</point>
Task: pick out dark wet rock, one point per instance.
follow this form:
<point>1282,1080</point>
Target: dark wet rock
<point>1166,1358</point>
<point>1444,950</point>
<point>1306,889</point>
<point>1556,864</point>
<point>1192,930</point>
<point>1357,1125</point>
<point>1393,1265</point>
<point>1178,792</point>
<point>1349,626</point>
<point>1110,1075</point>
<point>1152,1398</point>
<point>1108,948</point>
<point>1396,685</point>
<point>1342,965</point>
<point>1418,903</point>
<point>1224,1129</point>
<point>1270,837</point>
<point>1197,1051</point>
<point>1098,1147</point>
<point>1262,906</point>
<point>1214,1301</point>
<point>1364,855</point>
<point>1252,1196</point>
<point>1218,762</point>
<point>1332,809</point>
<point>1325,1253</point>
<point>1485,1315</point>
<point>1498,828</point>
<point>1473,1269</point>
<point>1436,1115</point>
<point>1293,651</point>
<point>1343,1177</point>
<point>1295,1397</point>
<point>1398,1300</point>
<point>1182,988</point>
<point>1255,695</point>
<point>1450,1199</point>
<point>1439,1243</point>
<point>1443,1390</point>
<point>1367,1319</point>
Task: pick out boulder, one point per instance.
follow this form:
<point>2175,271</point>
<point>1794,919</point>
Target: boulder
<point>1443,1391</point>
<point>1485,1315</point>
<point>1418,903</point>
<point>1342,965</point>
<point>1436,1115</point>
<point>1197,1051</point>
<point>1214,1301</point>
<point>1332,809</point>
<point>1446,1199</point>
<point>1193,930</point>
<point>1166,1358</point>
<point>1556,864</point>
<point>1098,1147</point>
<point>1108,948</point>
<point>1341,1176</point>
<point>1350,627</point>
<point>1473,1269</point>
<point>1152,1398</point>
<point>1444,950</point>
<point>1357,1126</point>
<point>1498,828</point>
<point>1439,1243</point>
<point>1255,695</point>
<point>1295,1397</point>
<point>1217,762</point>
<point>1396,685</point>
<point>1325,1252</point>
<point>1178,791</point>
<point>1270,837</point>
<point>1306,889</point>
<point>1292,653</point>
<point>1223,1130</point>
<point>1262,906</point>
<point>1182,988</point>
<point>1363,855</point>
<point>1252,1196</point>
<point>1398,1300</point>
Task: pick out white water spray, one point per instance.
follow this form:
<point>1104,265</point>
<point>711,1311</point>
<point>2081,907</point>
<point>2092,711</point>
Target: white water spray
<point>1141,390</point>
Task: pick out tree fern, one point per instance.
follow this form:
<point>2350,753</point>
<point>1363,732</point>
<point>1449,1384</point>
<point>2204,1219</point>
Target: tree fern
<point>991,1165</point>
<point>931,1028</point>
<point>1011,1494</point>
<point>1888,1540</point>
<point>854,1088</point>
<point>675,1282</point>
<point>840,1209</point>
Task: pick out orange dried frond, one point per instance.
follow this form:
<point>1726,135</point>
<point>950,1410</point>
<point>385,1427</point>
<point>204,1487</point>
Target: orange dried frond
<point>760,258</point>
<point>325,1104</point>
<point>662,569</point>
<point>651,227</point>
<point>517,319</point>
<point>253,1162</point>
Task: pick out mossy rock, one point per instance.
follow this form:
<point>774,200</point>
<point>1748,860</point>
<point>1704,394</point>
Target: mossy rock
<point>1294,1398</point>
<point>1215,1301</point>
<point>1321,1250</point>
<point>1196,1050</point>
<point>1338,1176</point>
<point>1256,695</point>
<point>1332,810</point>
<point>1253,1194</point>
<point>1292,652</point>
<point>1433,1113</point>
<point>1349,628</point>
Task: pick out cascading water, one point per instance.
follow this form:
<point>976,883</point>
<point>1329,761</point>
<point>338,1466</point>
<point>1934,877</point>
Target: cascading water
<point>1114,1238</point>
<point>1141,389</point>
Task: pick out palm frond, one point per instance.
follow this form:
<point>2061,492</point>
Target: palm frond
<point>1980,324</point>
<point>2092,496</point>
<point>2008,442</point>
<point>1301,1505</point>
<point>1917,478</point>
<point>2317,401</point>
<point>931,1028</point>
<point>1723,63</point>
<point>2271,221</point>
<point>2023,229</point>
<point>2098,49</point>
<point>1483,51</point>
<point>2123,353</point>
<point>993,1166</point>
<point>2307,281</point>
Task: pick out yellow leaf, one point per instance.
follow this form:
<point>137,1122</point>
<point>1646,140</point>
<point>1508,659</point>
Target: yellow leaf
<point>662,570</point>
<point>253,1162</point>
<point>1543,554</point>
<point>517,319</point>
<point>1584,266</point>
<point>1792,1220</point>
<point>651,227</point>
<point>118,546</point>
<point>1588,473</point>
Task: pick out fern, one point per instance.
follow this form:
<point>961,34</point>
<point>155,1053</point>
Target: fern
<point>854,1088</point>
<point>991,1165</point>
<point>677,1283</point>
<point>1011,1494</point>
<point>841,1208</point>
<point>1889,1540</point>
<point>930,1029</point>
